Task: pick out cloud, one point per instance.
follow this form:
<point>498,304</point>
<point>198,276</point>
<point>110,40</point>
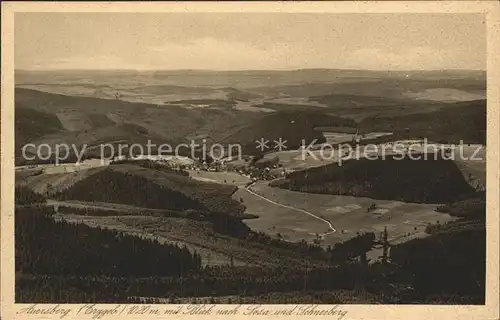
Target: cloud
<point>211,53</point>
<point>217,54</point>
<point>411,58</point>
<point>249,41</point>
<point>204,53</point>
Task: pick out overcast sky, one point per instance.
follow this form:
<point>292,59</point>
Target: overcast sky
<point>244,41</point>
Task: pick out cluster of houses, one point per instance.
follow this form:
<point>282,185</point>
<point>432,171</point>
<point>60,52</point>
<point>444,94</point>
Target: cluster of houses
<point>262,169</point>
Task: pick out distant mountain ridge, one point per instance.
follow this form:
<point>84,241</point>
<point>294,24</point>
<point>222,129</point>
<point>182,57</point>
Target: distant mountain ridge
<point>249,78</point>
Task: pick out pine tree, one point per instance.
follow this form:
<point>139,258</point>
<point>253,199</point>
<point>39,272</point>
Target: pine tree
<point>173,299</point>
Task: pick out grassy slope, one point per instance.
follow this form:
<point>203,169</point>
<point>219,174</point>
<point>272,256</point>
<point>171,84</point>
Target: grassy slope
<point>50,183</point>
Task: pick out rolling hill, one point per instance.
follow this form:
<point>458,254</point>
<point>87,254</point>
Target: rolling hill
<point>423,181</point>
<point>291,126</point>
<point>143,187</point>
<point>31,124</point>
<point>228,107</point>
<point>352,100</point>
<point>93,121</point>
<point>464,121</point>
<point>253,265</point>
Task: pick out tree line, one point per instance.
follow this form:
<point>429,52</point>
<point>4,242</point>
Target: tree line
<point>126,188</point>
<point>24,195</point>
<point>385,179</point>
<point>62,262</point>
<point>49,247</point>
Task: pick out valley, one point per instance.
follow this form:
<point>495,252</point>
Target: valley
<point>317,214</point>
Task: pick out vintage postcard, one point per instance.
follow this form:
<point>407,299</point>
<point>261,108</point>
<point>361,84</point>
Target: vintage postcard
<point>336,160</point>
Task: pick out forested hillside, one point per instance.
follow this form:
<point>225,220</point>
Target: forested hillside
<point>44,246</point>
<point>291,126</point>
<point>425,181</point>
<point>52,264</point>
<point>25,196</point>
<point>145,187</point>
<point>122,187</point>
<point>452,259</point>
<point>459,122</point>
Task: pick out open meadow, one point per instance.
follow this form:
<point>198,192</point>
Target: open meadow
<point>347,214</point>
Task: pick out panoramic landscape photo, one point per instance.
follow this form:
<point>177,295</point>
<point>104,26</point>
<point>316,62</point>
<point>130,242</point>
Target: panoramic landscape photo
<point>250,158</point>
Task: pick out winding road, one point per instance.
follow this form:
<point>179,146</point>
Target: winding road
<point>330,226</point>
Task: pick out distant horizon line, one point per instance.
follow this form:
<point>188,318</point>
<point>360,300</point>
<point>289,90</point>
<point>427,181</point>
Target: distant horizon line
<point>250,70</point>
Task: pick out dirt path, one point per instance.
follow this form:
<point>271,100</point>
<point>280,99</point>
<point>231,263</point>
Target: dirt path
<point>330,226</point>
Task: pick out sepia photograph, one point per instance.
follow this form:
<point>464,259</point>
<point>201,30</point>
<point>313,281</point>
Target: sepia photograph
<point>208,158</point>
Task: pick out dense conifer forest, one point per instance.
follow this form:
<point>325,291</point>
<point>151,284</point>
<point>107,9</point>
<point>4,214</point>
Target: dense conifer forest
<point>430,180</point>
<point>62,262</point>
